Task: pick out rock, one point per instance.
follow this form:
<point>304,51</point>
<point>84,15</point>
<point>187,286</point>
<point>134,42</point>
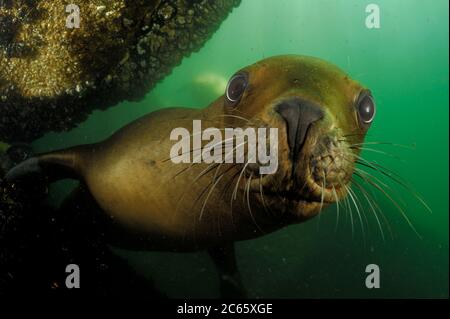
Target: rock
<point>44,66</point>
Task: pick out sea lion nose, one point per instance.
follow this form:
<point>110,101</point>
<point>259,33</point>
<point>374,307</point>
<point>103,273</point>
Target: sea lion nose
<point>299,114</point>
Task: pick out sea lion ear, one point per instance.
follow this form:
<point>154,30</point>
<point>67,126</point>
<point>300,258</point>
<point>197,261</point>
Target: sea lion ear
<point>236,88</point>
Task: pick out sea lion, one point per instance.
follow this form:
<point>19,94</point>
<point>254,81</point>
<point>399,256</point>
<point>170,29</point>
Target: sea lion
<point>158,205</point>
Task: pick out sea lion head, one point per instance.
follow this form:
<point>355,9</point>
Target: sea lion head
<point>321,115</point>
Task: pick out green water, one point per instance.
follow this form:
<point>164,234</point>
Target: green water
<point>405,64</point>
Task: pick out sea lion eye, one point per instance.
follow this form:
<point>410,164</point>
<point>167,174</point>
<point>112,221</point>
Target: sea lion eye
<point>366,108</point>
<point>236,87</point>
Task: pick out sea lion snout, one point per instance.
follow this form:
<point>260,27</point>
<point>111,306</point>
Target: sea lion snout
<point>299,114</point>
<point>330,166</point>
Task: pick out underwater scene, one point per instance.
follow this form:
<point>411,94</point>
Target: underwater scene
<point>345,107</point>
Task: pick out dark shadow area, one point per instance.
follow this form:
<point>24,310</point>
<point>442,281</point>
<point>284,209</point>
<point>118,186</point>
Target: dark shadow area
<point>37,243</point>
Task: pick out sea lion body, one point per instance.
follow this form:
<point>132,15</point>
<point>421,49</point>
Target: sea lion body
<point>156,204</point>
<point>133,181</point>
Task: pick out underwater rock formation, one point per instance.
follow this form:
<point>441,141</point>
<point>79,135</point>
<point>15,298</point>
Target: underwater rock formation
<point>52,76</point>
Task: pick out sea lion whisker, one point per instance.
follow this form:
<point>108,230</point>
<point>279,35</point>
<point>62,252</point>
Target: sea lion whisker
<point>225,188</point>
<point>203,173</point>
<point>231,197</point>
<point>398,179</point>
<point>349,137</point>
<point>204,190</point>
<point>356,134</point>
<point>241,112</point>
<point>410,147</point>
<point>228,154</point>
<point>322,195</point>
<point>236,116</point>
<point>254,117</point>
<point>244,191</point>
<point>229,183</point>
<point>220,164</point>
<point>372,195</point>
<point>239,179</point>
<point>209,168</point>
<point>261,192</point>
<point>381,168</point>
<point>337,209</point>
<point>243,169</point>
<point>223,192</point>
<point>379,152</point>
<point>365,177</point>
<point>384,185</point>
<point>351,194</point>
<point>350,214</point>
<point>209,194</point>
<point>369,201</point>
<point>372,176</point>
<point>215,181</point>
<point>182,171</point>
<point>249,205</point>
<point>234,193</point>
<point>226,171</point>
<point>348,206</point>
<point>399,208</point>
<point>380,181</point>
<point>362,210</point>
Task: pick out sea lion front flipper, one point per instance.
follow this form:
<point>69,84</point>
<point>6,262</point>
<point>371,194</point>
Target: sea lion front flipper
<point>224,257</point>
